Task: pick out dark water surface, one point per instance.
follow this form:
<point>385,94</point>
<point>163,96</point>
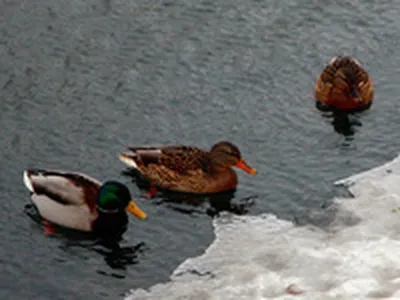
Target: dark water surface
<point>79,80</point>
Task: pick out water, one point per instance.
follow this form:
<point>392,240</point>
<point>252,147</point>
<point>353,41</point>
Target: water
<point>81,80</point>
<point>263,257</point>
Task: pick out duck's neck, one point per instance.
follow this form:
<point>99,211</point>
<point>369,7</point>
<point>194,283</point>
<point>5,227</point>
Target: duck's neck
<point>107,211</point>
<point>216,161</point>
<point>214,167</point>
<point>110,224</point>
<point>223,179</point>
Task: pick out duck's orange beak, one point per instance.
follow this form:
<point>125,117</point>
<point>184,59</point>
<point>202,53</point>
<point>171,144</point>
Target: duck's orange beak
<point>135,210</point>
<point>245,167</point>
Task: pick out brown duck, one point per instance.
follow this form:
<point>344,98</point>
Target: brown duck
<point>188,169</point>
<point>344,85</point>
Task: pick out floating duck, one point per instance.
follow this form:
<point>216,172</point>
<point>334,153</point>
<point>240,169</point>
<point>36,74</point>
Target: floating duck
<point>344,85</point>
<point>80,202</point>
<point>188,169</point>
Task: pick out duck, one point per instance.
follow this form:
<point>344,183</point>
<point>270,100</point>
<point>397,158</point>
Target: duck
<point>188,169</point>
<point>344,85</point>
<point>77,201</point>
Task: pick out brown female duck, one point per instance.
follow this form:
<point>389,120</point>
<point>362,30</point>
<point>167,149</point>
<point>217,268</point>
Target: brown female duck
<point>188,169</point>
<point>344,85</point>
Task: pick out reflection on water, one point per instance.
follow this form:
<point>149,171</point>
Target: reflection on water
<point>120,257</point>
<point>189,203</point>
<point>344,123</point>
<point>117,257</point>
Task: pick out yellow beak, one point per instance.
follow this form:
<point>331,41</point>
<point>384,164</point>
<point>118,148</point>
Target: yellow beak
<point>135,210</point>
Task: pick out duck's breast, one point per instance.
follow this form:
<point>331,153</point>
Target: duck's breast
<point>76,217</point>
<point>223,181</point>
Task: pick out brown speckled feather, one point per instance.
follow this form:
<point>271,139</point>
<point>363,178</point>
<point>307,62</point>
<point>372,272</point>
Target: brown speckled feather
<point>181,159</point>
<point>331,86</point>
<point>180,168</point>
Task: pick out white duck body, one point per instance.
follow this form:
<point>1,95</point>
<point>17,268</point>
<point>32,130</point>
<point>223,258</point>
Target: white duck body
<point>65,198</point>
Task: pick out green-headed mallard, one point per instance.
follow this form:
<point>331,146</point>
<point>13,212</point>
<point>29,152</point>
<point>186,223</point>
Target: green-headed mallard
<point>77,201</point>
<point>188,169</point>
<point>344,85</point>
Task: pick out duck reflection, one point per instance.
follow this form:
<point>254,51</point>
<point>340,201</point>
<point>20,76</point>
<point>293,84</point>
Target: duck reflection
<point>189,203</point>
<point>117,257</point>
<point>344,123</point>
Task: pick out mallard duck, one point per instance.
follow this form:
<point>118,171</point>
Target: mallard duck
<point>344,85</point>
<point>80,202</point>
<point>188,169</point>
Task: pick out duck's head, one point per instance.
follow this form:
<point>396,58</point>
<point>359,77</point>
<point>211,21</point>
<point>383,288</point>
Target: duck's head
<point>352,88</point>
<point>354,91</point>
<point>225,154</point>
<point>115,197</point>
